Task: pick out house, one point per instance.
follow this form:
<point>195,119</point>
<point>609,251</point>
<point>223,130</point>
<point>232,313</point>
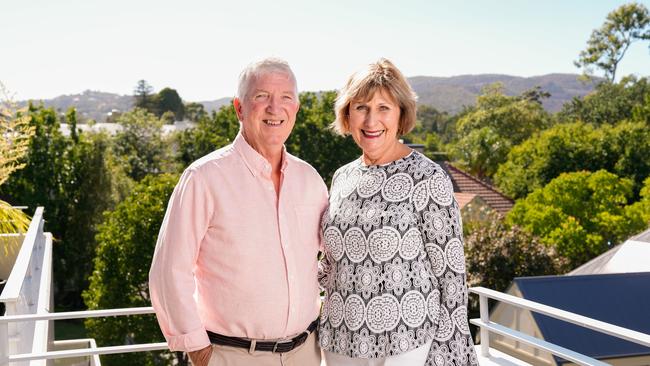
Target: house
<point>631,256</point>
<point>614,288</point>
<point>466,185</point>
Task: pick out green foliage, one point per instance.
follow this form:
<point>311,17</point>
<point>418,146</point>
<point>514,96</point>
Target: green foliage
<point>313,141</point>
<point>610,103</point>
<point>607,45</point>
<point>640,211</point>
<point>210,133</point>
<point>641,112</point>
<point>71,178</point>
<point>168,100</point>
<point>141,147</point>
<point>481,151</point>
<point>581,214</point>
<point>195,112</point>
<point>16,133</point>
<point>496,254</point>
<point>623,149</point>
<point>488,131</point>
<point>126,241</point>
<point>142,93</point>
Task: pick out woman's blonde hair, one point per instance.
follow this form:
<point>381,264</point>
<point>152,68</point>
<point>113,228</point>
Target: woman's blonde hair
<point>362,85</point>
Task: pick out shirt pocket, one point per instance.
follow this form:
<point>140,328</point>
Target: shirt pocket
<point>308,222</point>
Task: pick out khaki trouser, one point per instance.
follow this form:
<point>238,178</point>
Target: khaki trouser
<point>308,354</point>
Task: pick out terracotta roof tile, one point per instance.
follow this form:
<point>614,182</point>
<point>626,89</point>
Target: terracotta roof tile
<point>464,198</point>
<point>465,183</point>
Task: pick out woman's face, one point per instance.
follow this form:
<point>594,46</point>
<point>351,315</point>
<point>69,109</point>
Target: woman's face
<point>374,124</point>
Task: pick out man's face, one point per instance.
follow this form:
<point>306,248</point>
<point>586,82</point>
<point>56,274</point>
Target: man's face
<point>268,111</point>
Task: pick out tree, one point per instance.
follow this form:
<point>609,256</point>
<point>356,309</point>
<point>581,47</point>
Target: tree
<point>496,254</point>
<point>141,146</point>
<point>623,149</point>
<point>609,103</point>
<point>313,141</point>
<point>497,122</point>
<point>210,133</point>
<point>142,93</point>
<point>168,100</point>
<point>72,179</point>
<point>581,214</point>
<point>126,241</point>
<point>16,133</point>
<point>641,112</point>
<point>195,111</point>
<point>481,151</point>
<point>607,45</point>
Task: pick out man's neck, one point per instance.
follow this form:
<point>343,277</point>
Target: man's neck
<point>272,154</point>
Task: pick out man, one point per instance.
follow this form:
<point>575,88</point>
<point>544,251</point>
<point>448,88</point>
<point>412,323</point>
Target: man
<point>234,275</point>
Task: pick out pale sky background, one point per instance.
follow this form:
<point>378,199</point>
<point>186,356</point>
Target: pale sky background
<point>50,48</point>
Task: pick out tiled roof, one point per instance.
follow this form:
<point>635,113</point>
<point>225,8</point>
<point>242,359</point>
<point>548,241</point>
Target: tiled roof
<point>466,183</point>
<point>464,198</point>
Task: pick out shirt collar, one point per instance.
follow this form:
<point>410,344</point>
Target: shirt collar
<point>255,162</point>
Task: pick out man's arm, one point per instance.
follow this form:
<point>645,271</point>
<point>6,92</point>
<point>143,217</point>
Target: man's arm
<point>171,278</point>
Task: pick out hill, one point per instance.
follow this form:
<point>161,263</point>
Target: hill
<point>452,93</point>
<point>444,93</point>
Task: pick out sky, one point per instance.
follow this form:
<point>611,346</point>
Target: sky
<point>50,48</point>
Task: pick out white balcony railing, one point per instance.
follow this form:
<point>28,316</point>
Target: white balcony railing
<point>26,335</point>
<point>27,291</point>
<point>484,323</point>
<point>487,326</point>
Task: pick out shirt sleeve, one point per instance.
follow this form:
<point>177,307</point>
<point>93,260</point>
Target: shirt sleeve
<point>171,277</point>
<point>442,230</point>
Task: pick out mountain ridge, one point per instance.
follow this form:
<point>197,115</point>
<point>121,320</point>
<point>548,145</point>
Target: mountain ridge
<point>450,94</point>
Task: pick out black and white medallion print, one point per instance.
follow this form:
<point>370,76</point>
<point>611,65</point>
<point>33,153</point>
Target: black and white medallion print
<point>394,267</point>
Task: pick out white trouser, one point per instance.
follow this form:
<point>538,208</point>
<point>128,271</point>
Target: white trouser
<point>416,357</point>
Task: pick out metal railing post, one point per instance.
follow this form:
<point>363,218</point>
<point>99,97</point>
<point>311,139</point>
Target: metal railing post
<point>4,343</point>
<point>485,333</point>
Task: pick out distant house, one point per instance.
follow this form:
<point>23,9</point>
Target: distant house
<point>631,256</point>
<point>614,288</point>
<point>113,128</point>
<point>468,187</point>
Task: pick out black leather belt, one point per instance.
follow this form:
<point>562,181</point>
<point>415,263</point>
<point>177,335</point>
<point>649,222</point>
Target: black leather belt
<point>279,347</point>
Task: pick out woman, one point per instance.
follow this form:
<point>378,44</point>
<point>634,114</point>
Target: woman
<point>394,268</point>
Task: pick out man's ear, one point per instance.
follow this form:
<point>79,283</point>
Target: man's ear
<point>238,107</point>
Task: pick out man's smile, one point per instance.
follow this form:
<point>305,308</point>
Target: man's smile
<point>273,122</point>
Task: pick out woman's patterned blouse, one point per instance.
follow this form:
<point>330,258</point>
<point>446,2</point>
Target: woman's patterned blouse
<point>394,267</point>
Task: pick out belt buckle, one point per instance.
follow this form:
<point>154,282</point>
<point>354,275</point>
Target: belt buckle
<point>275,346</point>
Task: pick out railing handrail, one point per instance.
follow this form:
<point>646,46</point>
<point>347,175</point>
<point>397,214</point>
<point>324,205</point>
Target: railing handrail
<point>89,352</point>
<point>11,291</point>
<point>77,314</point>
<point>565,353</point>
<point>593,324</point>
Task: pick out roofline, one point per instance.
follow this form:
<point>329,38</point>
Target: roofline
<point>445,164</point>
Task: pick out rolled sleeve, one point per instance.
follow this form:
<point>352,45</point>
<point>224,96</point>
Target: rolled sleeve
<point>192,341</point>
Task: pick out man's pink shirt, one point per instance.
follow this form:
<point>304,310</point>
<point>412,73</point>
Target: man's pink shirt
<point>234,258</point>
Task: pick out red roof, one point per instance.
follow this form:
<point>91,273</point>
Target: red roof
<point>466,183</point>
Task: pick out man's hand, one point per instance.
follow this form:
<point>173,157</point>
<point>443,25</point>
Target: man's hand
<point>201,357</point>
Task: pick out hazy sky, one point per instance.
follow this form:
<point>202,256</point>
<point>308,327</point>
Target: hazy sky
<point>50,48</point>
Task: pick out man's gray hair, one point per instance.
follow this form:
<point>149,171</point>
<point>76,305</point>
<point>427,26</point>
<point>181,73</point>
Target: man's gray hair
<point>267,65</point>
